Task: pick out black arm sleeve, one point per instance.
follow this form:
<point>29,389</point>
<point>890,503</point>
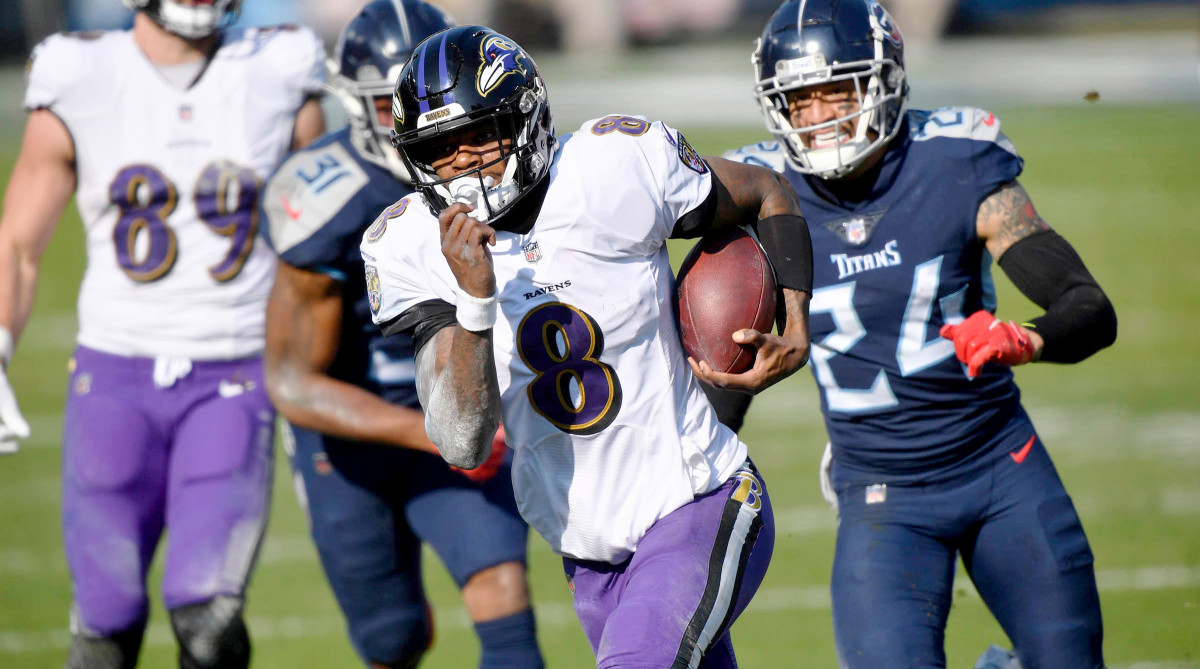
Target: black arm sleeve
<point>1079,319</point>
<point>421,322</point>
<point>785,240</point>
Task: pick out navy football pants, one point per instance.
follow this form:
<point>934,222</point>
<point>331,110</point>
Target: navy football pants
<point>1021,543</point>
<point>371,507</point>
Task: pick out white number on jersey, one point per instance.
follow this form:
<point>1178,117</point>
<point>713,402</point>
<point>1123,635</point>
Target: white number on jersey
<point>913,352</point>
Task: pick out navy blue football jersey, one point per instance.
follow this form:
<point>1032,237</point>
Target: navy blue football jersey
<point>889,269</point>
<point>316,208</point>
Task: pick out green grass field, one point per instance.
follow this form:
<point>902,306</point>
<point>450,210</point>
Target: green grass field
<point>1124,429</point>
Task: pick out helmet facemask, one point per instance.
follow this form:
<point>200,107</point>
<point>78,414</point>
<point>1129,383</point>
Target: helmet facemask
<point>189,21</point>
<point>879,89</point>
<point>368,135</point>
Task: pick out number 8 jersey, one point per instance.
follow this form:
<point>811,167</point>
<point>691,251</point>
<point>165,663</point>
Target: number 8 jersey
<point>610,429</point>
<point>169,180</point>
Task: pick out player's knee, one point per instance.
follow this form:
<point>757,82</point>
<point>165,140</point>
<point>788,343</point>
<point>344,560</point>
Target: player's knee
<point>115,651</point>
<point>496,591</point>
<point>392,641</point>
<point>212,634</point>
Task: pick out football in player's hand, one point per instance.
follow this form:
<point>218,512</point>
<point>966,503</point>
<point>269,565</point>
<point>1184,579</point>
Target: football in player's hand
<point>724,285</point>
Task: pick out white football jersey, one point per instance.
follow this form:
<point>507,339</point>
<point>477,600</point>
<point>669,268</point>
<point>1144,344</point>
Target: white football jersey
<point>610,429</point>
<point>168,183</point>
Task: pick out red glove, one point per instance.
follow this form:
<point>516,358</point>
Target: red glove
<point>491,466</point>
<point>982,338</point>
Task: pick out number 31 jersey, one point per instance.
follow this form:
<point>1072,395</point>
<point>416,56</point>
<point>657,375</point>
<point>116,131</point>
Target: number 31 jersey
<point>610,429</point>
<point>168,183</point>
<point>889,269</point>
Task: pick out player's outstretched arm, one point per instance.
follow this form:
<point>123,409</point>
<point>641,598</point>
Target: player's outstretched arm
<point>1079,319</point>
<point>456,369</point>
<point>38,191</point>
<point>304,321</point>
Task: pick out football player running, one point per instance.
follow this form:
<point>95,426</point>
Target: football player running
<point>932,454</point>
<point>370,479</point>
<point>533,275</point>
<point>164,134</point>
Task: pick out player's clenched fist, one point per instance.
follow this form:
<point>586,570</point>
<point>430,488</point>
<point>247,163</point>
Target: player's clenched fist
<point>982,338</point>
<point>464,244</point>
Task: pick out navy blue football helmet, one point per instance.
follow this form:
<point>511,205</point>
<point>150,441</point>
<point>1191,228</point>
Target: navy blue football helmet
<point>471,78</point>
<point>190,21</point>
<point>811,42</point>
<point>368,58</point>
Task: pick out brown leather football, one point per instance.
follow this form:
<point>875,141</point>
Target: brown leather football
<point>724,285</point>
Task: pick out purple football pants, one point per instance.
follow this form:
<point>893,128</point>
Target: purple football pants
<point>672,602</point>
<point>194,459</point>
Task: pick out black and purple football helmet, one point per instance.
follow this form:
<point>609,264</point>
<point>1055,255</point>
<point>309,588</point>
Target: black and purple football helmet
<point>471,78</point>
<point>370,54</point>
<point>812,42</point>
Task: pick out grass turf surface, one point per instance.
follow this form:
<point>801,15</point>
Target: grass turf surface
<point>1124,429</point>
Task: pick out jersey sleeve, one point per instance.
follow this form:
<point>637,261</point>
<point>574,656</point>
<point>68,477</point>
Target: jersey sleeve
<point>682,176</point>
<point>631,160</point>
<point>310,75</point>
<point>309,209</point>
<point>993,156</point>
<point>396,252</point>
<point>53,66</point>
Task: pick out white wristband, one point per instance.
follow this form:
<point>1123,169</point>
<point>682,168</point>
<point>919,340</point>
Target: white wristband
<point>6,346</point>
<point>475,313</point>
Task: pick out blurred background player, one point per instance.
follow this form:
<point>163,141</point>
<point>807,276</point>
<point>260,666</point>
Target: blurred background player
<point>164,133</point>
<point>664,526</point>
<point>372,482</point>
<point>932,454</point>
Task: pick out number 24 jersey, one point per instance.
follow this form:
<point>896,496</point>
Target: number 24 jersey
<point>610,429</point>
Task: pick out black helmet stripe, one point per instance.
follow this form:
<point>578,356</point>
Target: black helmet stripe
<point>443,78</point>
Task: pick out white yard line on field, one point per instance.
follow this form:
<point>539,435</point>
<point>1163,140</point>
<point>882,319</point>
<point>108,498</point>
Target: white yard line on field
<point>768,600</point>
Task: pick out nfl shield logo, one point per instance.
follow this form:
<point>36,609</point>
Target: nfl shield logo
<point>877,494</point>
<point>856,231</point>
<point>185,112</point>
<point>532,252</point>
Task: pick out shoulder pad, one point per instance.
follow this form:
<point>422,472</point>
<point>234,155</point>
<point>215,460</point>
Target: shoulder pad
<point>765,154</point>
<point>379,227</point>
<point>620,124</point>
<point>960,123</point>
<point>56,64</point>
<point>955,122</point>
<point>310,189</point>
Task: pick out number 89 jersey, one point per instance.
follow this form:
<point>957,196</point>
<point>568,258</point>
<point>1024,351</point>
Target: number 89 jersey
<point>888,271</point>
<point>610,429</point>
<point>168,183</point>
